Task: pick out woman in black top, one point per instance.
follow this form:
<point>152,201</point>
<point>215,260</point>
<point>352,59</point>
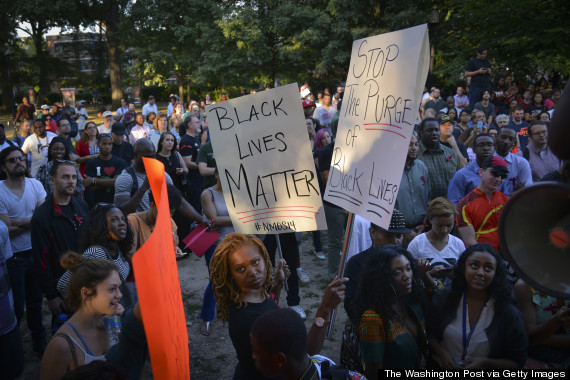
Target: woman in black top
<point>171,158</point>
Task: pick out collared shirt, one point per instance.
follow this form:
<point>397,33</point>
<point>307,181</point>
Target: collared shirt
<point>542,162</point>
<point>463,182</point>
<point>519,172</point>
<point>442,164</point>
<point>483,214</point>
<point>414,193</point>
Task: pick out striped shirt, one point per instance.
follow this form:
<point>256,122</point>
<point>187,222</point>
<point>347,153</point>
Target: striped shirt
<point>96,252</point>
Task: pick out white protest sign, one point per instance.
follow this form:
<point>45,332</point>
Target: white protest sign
<point>266,167</point>
<point>384,84</point>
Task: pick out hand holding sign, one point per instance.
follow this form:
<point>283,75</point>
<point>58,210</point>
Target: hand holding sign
<point>385,79</point>
<point>265,162</point>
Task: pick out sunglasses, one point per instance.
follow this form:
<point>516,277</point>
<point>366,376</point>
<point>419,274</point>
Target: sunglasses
<point>13,160</point>
<point>497,173</point>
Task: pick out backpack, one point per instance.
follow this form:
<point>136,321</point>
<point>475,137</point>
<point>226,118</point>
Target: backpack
<point>135,187</point>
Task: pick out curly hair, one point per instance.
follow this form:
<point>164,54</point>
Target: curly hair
<point>499,288</point>
<point>375,289</point>
<point>85,273</point>
<point>96,231</point>
<point>225,290</point>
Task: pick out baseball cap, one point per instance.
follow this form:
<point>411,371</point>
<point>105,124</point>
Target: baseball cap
<point>444,119</point>
<point>397,224</point>
<point>46,107</point>
<point>118,129</point>
<point>307,103</point>
<point>107,113</point>
<point>496,164</point>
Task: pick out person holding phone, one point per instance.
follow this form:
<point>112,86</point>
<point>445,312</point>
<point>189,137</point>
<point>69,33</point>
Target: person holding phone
<point>479,70</point>
<point>437,244</point>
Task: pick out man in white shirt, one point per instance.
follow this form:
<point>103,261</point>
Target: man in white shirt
<point>82,116</point>
<point>170,108</point>
<point>38,144</point>
<point>122,109</point>
<point>325,112</point>
<point>139,131</point>
<point>19,197</point>
<point>150,106</point>
<point>107,122</point>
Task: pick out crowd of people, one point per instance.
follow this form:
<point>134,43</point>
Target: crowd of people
<point>430,291</point>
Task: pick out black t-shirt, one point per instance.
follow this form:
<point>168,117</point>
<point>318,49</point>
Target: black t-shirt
<point>189,146</point>
<point>479,80</point>
<point>534,111</point>
<point>124,151</point>
<point>239,323</point>
<point>107,169</point>
<point>437,106</point>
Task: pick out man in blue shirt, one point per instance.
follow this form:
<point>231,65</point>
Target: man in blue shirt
<point>468,178</point>
<point>520,174</point>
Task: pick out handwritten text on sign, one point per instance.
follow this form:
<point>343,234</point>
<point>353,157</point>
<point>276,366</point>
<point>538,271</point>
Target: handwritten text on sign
<point>265,162</point>
<point>384,83</point>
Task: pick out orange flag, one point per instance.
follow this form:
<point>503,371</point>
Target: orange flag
<point>158,288</point>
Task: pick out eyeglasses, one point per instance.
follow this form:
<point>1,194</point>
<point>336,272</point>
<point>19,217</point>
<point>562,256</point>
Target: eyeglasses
<point>488,145</point>
<point>497,173</point>
<point>541,133</point>
<point>13,160</point>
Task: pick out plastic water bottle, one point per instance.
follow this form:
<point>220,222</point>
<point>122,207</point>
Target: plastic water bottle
<point>59,321</point>
<point>113,327</point>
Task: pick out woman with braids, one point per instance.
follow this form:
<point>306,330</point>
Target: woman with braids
<point>106,236</point>
<point>473,322</point>
<point>241,273</point>
<point>93,293</point>
<point>389,300</point>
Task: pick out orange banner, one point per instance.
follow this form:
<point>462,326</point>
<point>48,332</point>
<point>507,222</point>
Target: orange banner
<point>158,288</point>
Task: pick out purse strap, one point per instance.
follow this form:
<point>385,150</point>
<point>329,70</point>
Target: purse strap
<point>71,348</point>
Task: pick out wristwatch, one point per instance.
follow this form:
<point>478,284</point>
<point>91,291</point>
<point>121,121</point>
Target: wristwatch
<point>319,322</point>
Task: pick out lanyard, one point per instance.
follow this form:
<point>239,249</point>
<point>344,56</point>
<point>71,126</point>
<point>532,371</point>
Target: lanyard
<point>467,338</point>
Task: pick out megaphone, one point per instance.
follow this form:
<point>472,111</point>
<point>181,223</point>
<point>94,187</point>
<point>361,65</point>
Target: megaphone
<point>534,231</point>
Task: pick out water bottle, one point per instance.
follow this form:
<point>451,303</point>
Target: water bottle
<point>59,321</point>
<point>113,327</point>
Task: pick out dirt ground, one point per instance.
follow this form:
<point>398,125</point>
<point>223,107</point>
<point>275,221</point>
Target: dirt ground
<point>213,357</point>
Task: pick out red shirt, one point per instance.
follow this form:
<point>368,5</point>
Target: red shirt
<point>477,211</point>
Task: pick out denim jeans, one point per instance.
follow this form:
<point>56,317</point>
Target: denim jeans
<point>209,302</point>
<point>475,95</point>
<point>26,291</point>
<point>317,241</point>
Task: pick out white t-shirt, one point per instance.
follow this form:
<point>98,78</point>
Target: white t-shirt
<point>23,207</point>
<point>360,239</point>
<point>103,129</point>
<point>82,119</point>
<point>5,242</point>
<point>421,248</point>
<point>139,132</point>
<point>324,115</point>
<point>39,149</point>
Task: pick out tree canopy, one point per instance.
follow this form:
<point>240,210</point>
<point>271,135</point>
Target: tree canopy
<point>214,44</point>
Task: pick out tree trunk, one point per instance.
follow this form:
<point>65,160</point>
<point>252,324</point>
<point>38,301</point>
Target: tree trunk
<point>5,64</point>
<point>180,85</point>
<point>112,33</point>
<point>38,38</point>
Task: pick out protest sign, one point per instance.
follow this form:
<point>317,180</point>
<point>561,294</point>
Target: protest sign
<point>265,162</point>
<point>158,288</point>
<point>384,84</point>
